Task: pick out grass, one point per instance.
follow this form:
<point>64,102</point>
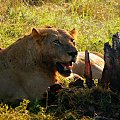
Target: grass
<point>96,22</point>
<point>72,104</point>
<point>21,113</point>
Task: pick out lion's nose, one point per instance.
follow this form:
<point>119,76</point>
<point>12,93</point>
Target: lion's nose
<point>73,54</point>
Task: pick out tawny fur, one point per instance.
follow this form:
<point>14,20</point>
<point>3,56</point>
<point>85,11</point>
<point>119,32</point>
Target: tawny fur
<point>27,67</point>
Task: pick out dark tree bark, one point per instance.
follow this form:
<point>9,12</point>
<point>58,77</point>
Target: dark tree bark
<point>107,71</point>
<point>111,72</point>
<point>115,77</point>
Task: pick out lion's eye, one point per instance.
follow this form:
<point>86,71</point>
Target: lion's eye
<point>57,42</point>
<point>72,40</point>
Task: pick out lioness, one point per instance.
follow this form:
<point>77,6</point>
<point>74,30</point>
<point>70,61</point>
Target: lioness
<point>29,66</point>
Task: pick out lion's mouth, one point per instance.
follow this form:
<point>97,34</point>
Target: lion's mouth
<point>64,68</point>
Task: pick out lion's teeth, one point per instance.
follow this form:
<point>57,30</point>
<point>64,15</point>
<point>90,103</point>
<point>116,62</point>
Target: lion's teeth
<point>66,68</point>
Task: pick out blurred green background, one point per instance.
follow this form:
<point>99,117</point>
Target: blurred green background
<point>95,20</point>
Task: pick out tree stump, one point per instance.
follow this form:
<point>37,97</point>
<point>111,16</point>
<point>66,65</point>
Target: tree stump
<point>111,72</point>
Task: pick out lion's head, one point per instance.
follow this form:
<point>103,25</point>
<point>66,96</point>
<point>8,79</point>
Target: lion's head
<point>56,47</point>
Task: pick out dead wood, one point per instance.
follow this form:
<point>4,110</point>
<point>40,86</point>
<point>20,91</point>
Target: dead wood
<point>111,72</point>
<point>88,71</point>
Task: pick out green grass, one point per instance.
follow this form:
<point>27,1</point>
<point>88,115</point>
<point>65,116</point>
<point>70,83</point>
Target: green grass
<point>95,20</point>
<point>21,113</point>
<point>73,104</point>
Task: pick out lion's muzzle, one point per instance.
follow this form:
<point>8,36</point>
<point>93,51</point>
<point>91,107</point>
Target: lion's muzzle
<point>65,68</point>
<point>73,55</point>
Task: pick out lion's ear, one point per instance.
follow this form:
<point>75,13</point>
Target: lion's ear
<point>35,33</point>
<point>74,33</point>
